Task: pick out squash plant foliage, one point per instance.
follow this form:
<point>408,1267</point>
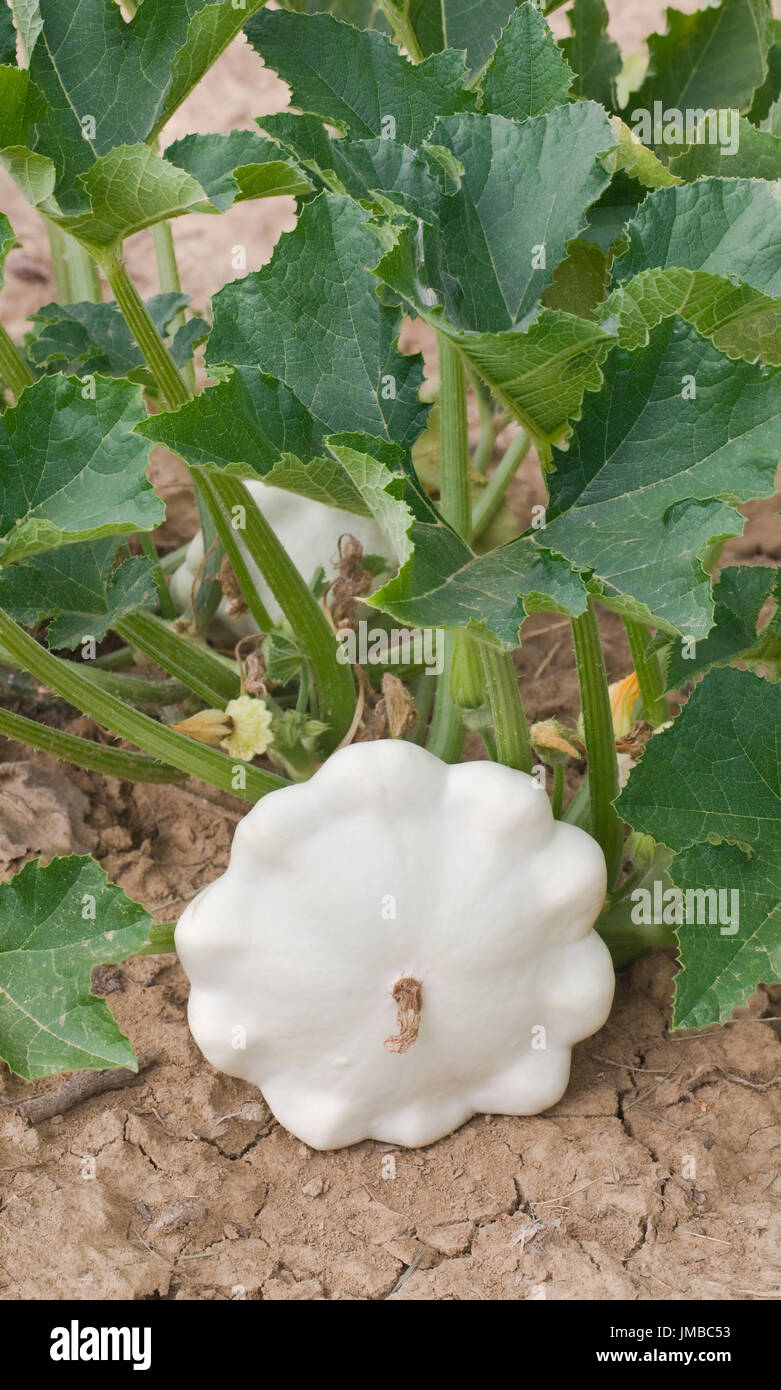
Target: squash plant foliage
<point>612,289</point>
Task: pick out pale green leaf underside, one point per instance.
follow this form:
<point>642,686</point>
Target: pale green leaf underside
<point>710,252</point>
<point>56,924</point>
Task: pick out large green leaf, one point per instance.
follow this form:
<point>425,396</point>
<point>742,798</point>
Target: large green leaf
<point>706,251</point>
<point>86,338</point>
<point>7,36</point>
<point>236,167</point>
<point>313,319</point>
<point>441,583</point>
<point>357,80</point>
<point>727,227</point>
<point>769,92</point>
<point>253,426</point>
<point>108,83</point>
<point>70,467</point>
<point>709,788</point>
<point>591,53</point>
<point>496,241</point>
<point>27,18</point>
<point>716,57</point>
<point>79,588</point>
<point>372,171</point>
<point>56,925</point>
<point>738,600</point>
<point>442,24</point>
<point>758,155</point>
<point>539,375</point>
<point>527,74</point>
<point>241,425</point>
<point>677,434</point>
<point>364,14</point>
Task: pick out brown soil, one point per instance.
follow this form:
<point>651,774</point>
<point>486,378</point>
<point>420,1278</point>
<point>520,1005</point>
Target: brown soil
<point>656,1177</point>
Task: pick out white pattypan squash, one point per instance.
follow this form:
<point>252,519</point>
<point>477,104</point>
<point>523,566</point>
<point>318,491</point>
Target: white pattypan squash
<point>398,944</point>
<point>310,533</point>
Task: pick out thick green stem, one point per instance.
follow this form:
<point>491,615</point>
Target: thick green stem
<point>235,555</point>
<point>14,371</point>
<point>488,422</point>
<point>446,732</point>
<point>195,759</point>
<point>579,810</point>
<point>163,592</point>
<point>114,661</point>
<point>83,274</point>
<point>170,283</point>
<point>76,275</point>
<point>170,381</point>
<point>649,674</point>
<point>314,634</point>
<point>493,496</point>
<point>84,752</point>
<point>135,689</point>
<point>403,32</point>
<point>454,496</point>
<point>62,279</point>
<point>558,790</point>
<point>513,745</point>
<point>423,696</point>
<point>200,669</point>
<point>600,740</point>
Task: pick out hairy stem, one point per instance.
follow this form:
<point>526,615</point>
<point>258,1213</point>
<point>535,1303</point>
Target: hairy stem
<point>85,752</point>
<point>649,674</point>
<point>513,745</point>
<point>600,740</point>
<point>493,496</point>
<point>195,665</point>
<point>558,790</point>
<point>194,759</point>
<point>454,497</point>
<point>14,371</point>
<point>403,32</point>
<point>163,592</point>
<point>170,283</point>
<point>170,381</point>
<point>314,634</point>
<point>76,275</point>
<point>446,731</point>
<point>235,554</point>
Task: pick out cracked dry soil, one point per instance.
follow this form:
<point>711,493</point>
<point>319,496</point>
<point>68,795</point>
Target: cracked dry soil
<point>198,1194</point>
<point>656,1177</point>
